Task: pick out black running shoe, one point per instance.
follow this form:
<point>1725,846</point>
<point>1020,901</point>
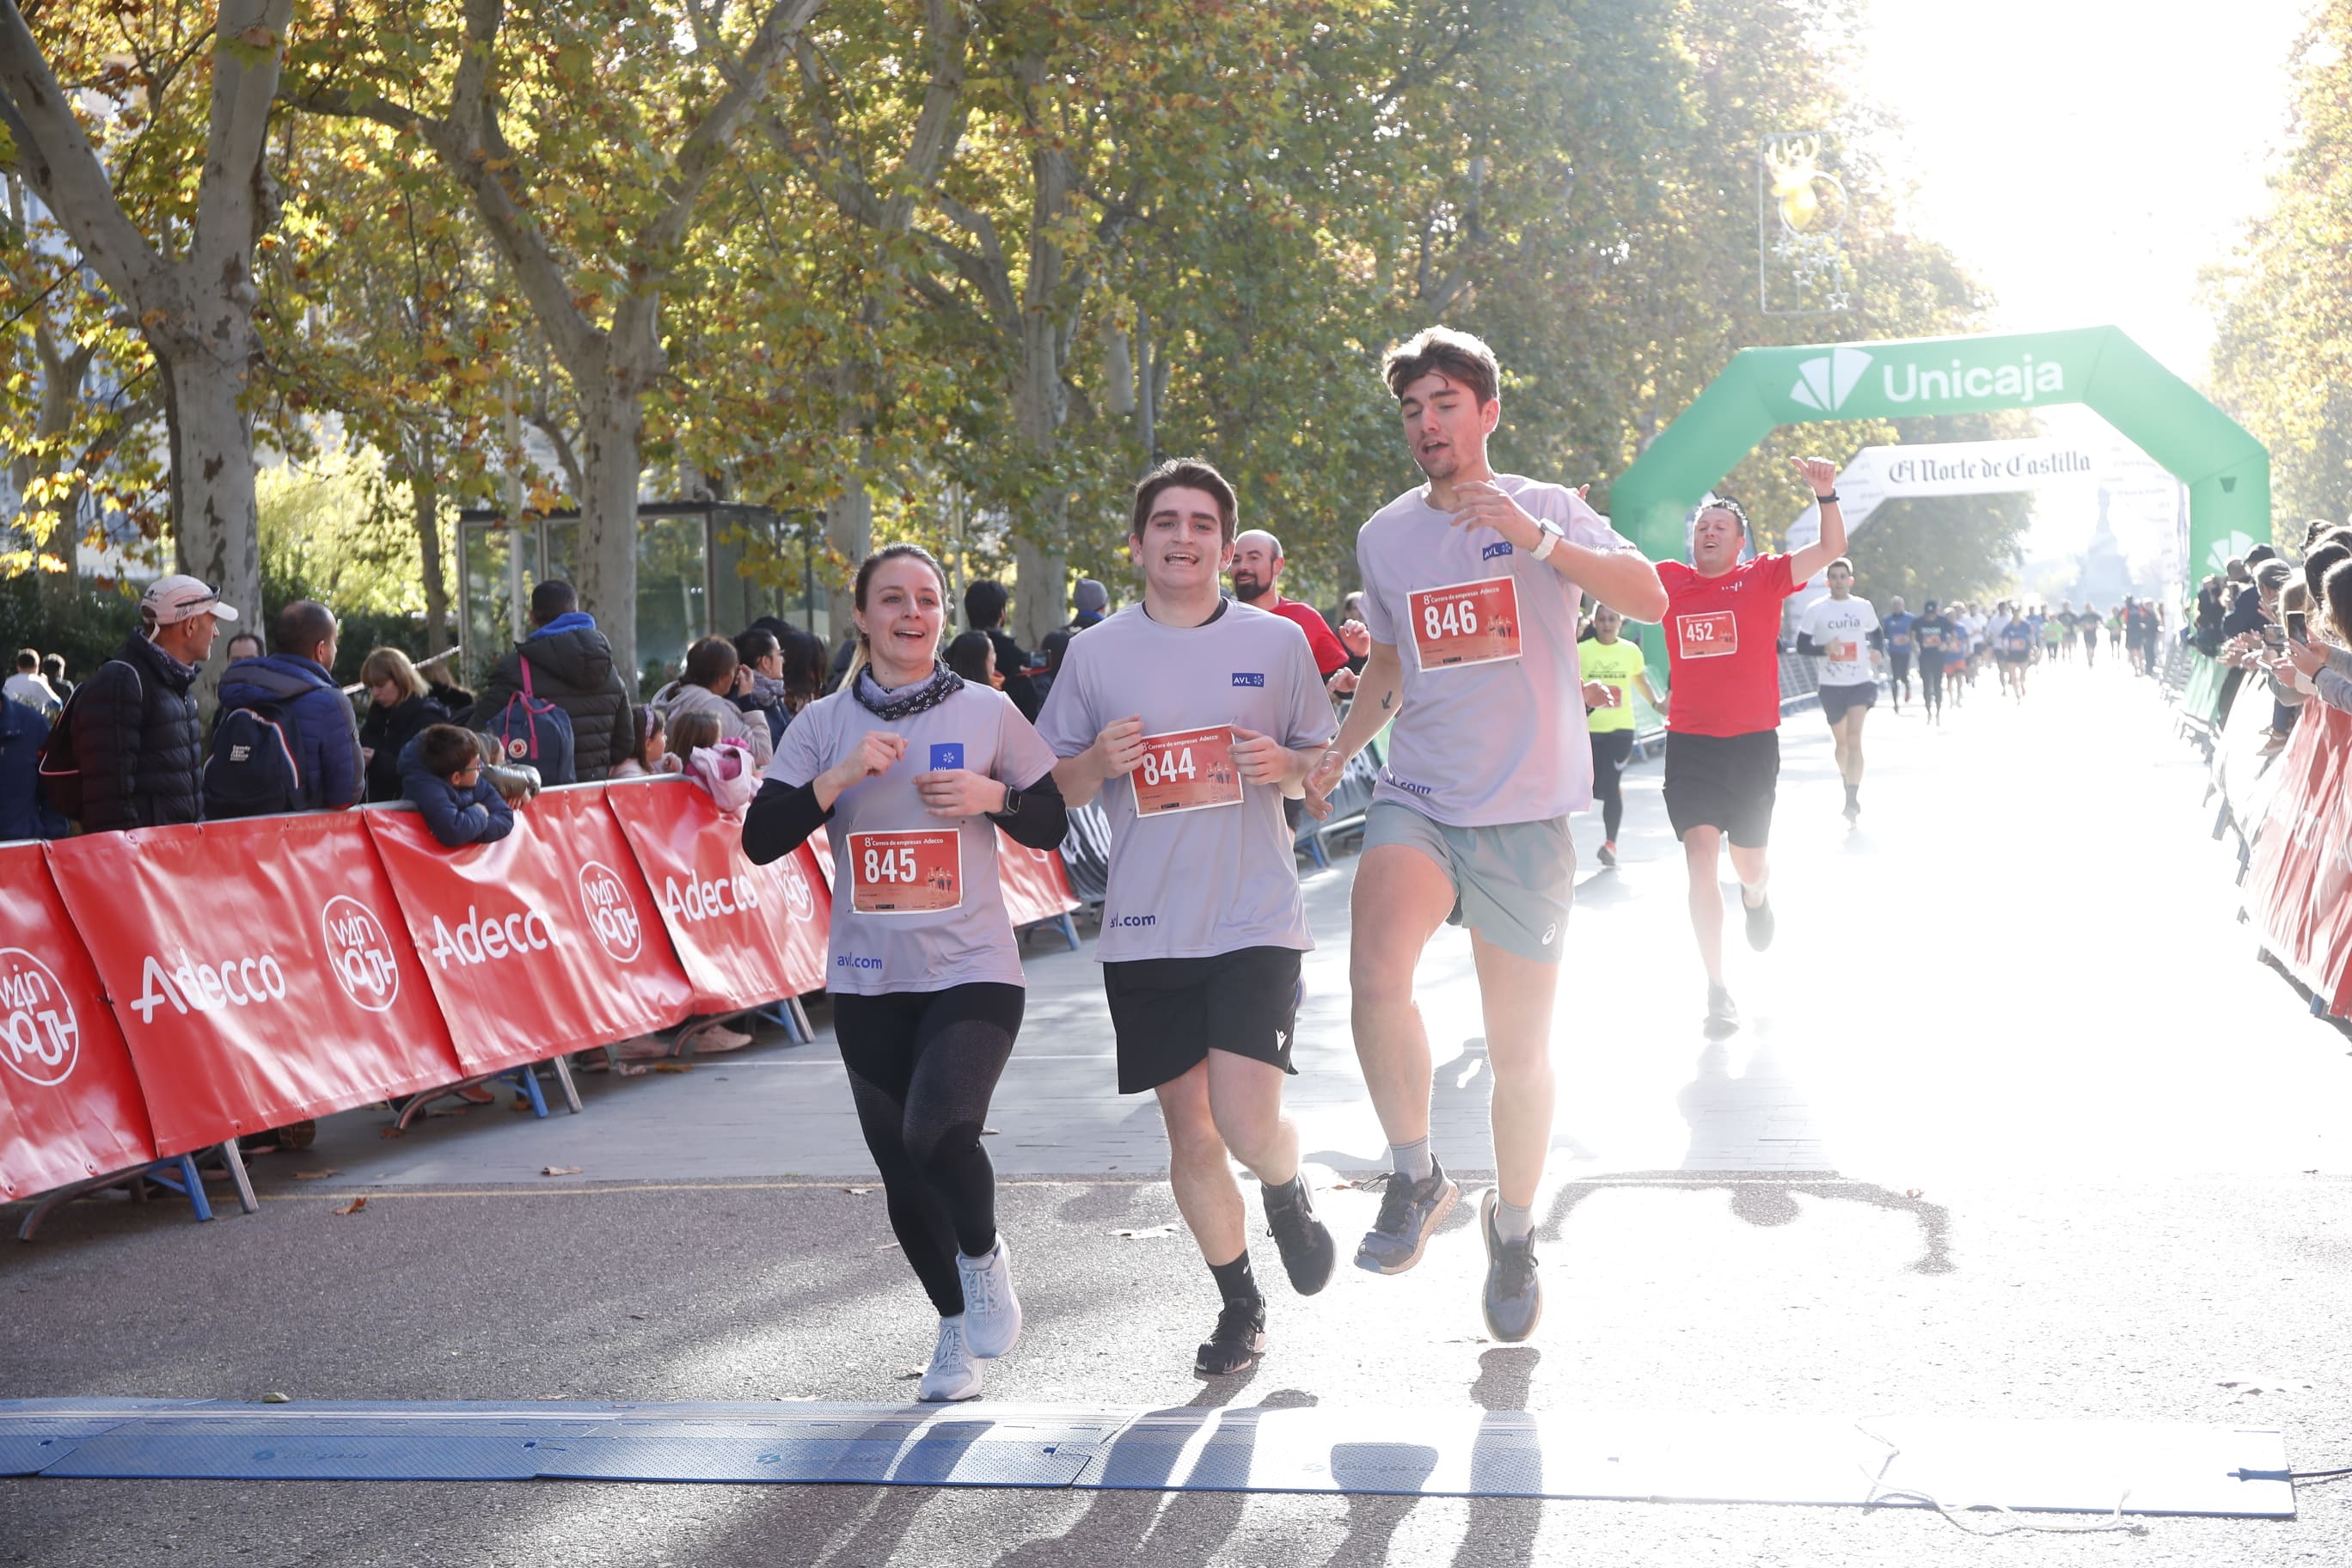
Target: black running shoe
<point>1608,854</point>
<point>1239,1339</point>
<point>1760,923</point>
<point>1410,1213</point>
<point>1308,1253</point>
<point>1513,1298</point>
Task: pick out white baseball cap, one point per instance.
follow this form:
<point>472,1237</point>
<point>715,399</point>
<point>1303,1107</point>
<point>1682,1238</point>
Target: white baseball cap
<point>171,600</point>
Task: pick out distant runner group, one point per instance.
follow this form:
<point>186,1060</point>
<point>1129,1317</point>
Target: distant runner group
<point>1195,719</point>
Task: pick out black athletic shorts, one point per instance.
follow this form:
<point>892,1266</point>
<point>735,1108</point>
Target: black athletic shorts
<point>1726,781</point>
<point>1900,662</point>
<point>1168,1012</point>
<point>1838,701</point>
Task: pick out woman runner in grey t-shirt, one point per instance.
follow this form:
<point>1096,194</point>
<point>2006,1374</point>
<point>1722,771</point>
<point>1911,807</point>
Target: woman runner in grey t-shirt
<point>912,769</point>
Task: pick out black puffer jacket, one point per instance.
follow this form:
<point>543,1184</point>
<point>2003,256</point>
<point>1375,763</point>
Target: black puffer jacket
<point>572,666</point>
<point>136,738</point>
<point>386,731</point>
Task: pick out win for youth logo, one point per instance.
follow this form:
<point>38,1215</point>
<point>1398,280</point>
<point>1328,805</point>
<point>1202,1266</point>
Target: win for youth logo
<point>1824,383</point>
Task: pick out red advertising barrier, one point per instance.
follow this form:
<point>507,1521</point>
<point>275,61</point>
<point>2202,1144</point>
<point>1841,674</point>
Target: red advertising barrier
<point>253,971</point>
<point>746,934</point>
<point>69,1102</point>
<point>2300,882</point>
<point>544,941</point>
<point>1037,885</point>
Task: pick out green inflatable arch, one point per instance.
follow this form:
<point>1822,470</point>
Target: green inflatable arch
<point>2228,472</point>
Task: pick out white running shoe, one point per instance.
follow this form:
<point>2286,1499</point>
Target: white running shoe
<point>953,1374</point>
<point>991,1312</point>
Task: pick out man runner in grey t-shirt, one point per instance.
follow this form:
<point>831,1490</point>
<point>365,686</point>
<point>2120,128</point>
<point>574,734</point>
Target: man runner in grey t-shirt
<point>1192,716</point>
<point>1471,590</point>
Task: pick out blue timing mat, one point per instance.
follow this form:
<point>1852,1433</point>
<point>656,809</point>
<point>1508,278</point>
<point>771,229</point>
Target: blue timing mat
<point>2098,1467</point>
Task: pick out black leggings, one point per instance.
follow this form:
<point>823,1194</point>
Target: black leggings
<point>1931,682</point>
<point>1611,748</point>
<point>923,1066</point>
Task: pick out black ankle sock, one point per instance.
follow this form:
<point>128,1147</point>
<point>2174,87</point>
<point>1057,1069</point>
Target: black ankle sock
<point>1236,1280</point>
<point>1291,1194</point>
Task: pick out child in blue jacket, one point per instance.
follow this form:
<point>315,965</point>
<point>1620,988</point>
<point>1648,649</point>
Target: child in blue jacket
<point>441,772</point>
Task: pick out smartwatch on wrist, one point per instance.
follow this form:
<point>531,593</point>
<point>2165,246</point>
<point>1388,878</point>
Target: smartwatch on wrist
<point>1545,542</point>
<point>1012,806</point>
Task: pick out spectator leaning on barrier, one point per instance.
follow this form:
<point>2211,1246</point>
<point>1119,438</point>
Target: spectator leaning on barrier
<point>572,666</point>
<point>441,771</point>
<point>2325,659</point>
<point>710,678</point>
<point>760,689</point>
<point>23,814</point>
<point>295,681</point>
<point>805,671</point>
<point>653,745</point>
<point>28,687</point>
<point>138,745</point>
<point>400,705</point>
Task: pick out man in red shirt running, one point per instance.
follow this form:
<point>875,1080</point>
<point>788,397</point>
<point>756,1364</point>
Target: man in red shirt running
<point>1723,711</point>
<point>1257,567</point>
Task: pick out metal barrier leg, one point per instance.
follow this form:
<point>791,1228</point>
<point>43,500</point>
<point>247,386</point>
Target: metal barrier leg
<point>185,1180</point>
<point>1068,927</point>
<point>563,1078</point>
<point>234,1158</point>
<point>523,1078</point>
<point>800,1015</point>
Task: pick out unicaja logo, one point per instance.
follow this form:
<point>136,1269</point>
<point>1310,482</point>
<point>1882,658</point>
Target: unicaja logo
<point>1824,383</point>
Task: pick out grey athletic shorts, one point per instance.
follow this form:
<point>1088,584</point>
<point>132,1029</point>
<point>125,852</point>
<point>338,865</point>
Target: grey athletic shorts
<point>1512,882</point>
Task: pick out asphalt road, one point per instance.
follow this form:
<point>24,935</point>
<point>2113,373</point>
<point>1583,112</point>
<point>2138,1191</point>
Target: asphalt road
<point>2017,1129</point>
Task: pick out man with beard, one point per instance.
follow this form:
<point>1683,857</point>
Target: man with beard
<point>1256,571</point>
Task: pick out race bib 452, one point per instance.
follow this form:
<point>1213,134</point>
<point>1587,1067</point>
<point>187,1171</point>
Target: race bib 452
<point>1710,636</point>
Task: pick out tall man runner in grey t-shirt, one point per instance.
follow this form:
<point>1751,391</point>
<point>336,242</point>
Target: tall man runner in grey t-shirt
<point>1192,716</point>
<point>1471,589</point>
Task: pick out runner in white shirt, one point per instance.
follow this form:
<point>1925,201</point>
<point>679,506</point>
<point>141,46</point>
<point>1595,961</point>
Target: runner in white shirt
<point>1841,631</point>
<point>1471,590</point>
<point>912,771</point>
<point>1191,715</point>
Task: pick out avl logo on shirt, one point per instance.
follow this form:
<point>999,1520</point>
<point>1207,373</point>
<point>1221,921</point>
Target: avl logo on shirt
<point>1251,679</point>
<point>946,754</point>
<point>1494,550</point>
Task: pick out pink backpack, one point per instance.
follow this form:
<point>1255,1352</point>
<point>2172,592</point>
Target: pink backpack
<point>727,771</point>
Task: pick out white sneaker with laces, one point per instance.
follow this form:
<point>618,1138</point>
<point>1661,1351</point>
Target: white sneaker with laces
<point>991,1312</point>
<point>953,1374</point>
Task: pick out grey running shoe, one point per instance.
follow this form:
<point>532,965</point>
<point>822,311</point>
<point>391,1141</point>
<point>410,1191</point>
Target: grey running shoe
<point>1722,1013</point>
<point>1608,854</point>
<point>1308,1253</point>
<point>1410,1213</point>
<point>1238,1340</point>
<point>1513,1298</point>
<point>1760,923</point>
<point>991,1312</point>
<point>953,1374</point>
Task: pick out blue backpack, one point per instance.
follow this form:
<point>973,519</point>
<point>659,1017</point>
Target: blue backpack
<point>535,733</point>
<point>252,770</point>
